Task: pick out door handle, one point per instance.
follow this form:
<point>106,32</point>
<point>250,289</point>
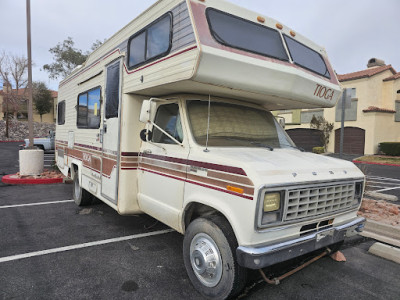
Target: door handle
<point>147,151</point>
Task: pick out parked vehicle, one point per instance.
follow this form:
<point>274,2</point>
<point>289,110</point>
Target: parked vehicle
<point>171,117</point>
<point>45,143</point>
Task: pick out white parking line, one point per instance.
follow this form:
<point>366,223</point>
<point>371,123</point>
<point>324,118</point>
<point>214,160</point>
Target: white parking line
<point>388,189</point>
<point>37,203</point>
<point>382,178</point>
<point>84,245</point>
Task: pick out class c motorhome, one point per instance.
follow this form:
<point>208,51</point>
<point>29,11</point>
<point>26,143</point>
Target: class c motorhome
<point>171,117</point>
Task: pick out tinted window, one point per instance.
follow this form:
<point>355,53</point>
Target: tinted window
<point>88,115</point>
<point>168,118</point>
<point>112,91</point>
<point>158,38</point>
<point>153,42</point>
<point>306,57</point>
<point>243,34</point>
<point>61,113</point>
<point>137,49</point>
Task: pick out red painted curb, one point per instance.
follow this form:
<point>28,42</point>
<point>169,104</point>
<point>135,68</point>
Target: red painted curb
<point>12,141</point>
<point>374,163</point>
<point>9,179</point>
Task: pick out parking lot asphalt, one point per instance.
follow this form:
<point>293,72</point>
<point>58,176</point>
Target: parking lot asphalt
<point>52,249</point>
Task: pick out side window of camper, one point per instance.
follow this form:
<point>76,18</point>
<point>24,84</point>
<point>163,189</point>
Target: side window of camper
<point>112,91</point>
<point>88,115</point>
<point>152,42</point>
<point>61,113</point>
<point>168,118</point>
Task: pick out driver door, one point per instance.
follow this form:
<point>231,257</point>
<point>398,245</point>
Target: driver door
<point>163,168</point>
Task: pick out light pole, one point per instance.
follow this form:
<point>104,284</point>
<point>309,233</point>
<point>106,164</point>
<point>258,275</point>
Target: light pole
<point>30,110</point>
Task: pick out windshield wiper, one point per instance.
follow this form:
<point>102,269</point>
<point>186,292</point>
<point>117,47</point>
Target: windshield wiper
<point>262,145</point>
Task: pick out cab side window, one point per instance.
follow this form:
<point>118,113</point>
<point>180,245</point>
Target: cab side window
<point>168,119</point>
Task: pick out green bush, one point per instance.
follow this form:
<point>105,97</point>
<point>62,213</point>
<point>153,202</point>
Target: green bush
<point>318,150</point>
<point>390,148</point>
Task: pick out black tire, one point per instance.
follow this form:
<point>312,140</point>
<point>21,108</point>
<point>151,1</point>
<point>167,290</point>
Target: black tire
<point>81,196</point>
<point>215,233</point>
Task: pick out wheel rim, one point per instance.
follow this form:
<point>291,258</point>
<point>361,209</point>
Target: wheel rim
<point>206,259</point>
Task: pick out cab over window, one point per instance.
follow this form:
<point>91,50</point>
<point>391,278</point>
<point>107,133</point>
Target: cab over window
<point>88,115</point>
<point>168,119</point>
<point>151,43</point>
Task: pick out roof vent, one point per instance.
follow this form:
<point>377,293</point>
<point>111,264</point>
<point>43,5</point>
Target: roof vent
<point>375,62</point>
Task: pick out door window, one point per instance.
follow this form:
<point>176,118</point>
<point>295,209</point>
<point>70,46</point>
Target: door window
<point>168,118</point>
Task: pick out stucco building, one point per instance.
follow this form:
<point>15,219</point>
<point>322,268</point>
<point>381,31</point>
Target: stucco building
<point>374,115</point>
<point>22,113</point>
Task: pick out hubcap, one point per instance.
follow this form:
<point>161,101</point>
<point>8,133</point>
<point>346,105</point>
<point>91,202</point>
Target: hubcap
<point>206,259</point>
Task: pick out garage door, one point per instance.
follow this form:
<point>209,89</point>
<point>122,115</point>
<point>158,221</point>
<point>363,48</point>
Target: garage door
<point>353,141</point>
<point>305,138</point>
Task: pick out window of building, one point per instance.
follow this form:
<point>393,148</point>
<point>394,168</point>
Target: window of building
<point>397,114</point>
<point>151,43</point>
<point>61,113</point>
<point>242,34</point>
<point>88,115</point>
<point>306,57</point>
<point>307,115</point>
<point>168,119</point>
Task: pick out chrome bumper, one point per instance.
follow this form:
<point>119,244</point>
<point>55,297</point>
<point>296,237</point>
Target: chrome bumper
<point>261,257</point>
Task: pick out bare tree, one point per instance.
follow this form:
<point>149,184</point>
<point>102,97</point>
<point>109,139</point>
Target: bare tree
<point>13,74</point>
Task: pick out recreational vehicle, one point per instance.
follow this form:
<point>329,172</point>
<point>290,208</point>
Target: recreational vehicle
<point>171,117</point>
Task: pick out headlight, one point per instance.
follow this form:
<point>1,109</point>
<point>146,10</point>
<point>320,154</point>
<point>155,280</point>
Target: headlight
<point>272,201</point>
<point>271,211</point>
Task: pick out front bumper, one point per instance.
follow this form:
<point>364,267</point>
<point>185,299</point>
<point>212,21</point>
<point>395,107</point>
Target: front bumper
<point>261,257</point>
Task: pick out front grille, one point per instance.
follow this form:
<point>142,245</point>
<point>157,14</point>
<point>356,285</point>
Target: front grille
<point>314,201</point>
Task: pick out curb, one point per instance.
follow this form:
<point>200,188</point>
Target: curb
<point>382,232</point>
<point>385,251</point>
<point>374,163</point>
<point>14,179</point>
<point>18,141</point>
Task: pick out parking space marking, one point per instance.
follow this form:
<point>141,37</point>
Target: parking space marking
<point>382,184</point>
<point>34,204</point>
<point>84,245</point>
<point>388,189</point>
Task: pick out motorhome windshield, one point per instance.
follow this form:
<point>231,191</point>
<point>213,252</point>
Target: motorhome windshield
<point>235,125</point>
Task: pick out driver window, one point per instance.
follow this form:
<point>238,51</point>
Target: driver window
<point>168,118</point>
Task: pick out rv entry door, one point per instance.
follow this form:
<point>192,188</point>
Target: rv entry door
<point>111,133</point>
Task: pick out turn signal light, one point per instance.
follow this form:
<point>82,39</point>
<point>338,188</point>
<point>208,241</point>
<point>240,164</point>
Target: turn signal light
<point>234,189</point>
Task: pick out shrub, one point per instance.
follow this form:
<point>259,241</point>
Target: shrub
<point>318,150</point>
<point>390,148</point>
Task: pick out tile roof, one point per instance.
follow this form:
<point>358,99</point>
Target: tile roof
<point>378,109</point>
<point>393,77</point>
<point>365,73</point>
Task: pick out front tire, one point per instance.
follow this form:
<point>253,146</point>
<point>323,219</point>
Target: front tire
<point>81,196</point>
<point>209,247</point>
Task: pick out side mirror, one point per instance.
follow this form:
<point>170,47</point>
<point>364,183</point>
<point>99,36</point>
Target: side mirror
<point>146,135</point>
<point>147,112</point>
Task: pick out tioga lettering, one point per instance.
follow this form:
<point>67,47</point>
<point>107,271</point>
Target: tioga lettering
<point>323,92</point>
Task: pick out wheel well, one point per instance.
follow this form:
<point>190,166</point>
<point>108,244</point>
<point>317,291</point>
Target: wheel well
<point>73,170</point>
<point>195,210</point>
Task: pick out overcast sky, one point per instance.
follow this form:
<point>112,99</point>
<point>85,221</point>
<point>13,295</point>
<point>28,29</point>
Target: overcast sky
<point>352,31</point>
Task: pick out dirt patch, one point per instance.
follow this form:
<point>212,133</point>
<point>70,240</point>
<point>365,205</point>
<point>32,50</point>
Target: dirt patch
<point>45,174</point>
<point>380,211</point>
